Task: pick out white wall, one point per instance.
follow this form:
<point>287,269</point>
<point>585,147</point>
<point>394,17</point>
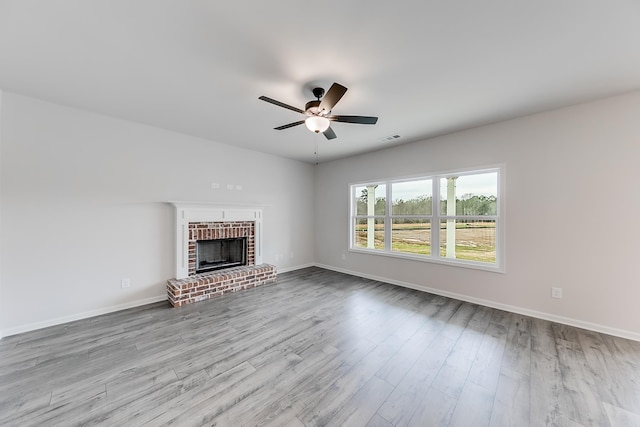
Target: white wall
<point>82,203</point>
<point>1,236</point>
<point>572,212</point>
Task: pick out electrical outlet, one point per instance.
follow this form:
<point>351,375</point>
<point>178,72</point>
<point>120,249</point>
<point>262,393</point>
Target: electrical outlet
<point>556,292</point>
<point>215,185</point>
<point>344,257</point>
<point>125,283</point>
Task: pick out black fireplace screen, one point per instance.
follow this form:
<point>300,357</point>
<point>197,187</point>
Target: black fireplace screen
<point>220,253</point>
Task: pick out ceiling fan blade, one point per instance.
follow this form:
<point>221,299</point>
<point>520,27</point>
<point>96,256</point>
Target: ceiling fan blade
<point>329,133</point>
<point>290,125</point>
<point>281,104</point>
<point>363,120</point>
<point>331,98</point>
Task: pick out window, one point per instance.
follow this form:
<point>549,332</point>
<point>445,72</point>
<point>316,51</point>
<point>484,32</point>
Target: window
<point>458,214</point>
<point>371,208</point>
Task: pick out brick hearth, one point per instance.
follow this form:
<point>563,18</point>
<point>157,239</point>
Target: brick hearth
<point>200,287</point>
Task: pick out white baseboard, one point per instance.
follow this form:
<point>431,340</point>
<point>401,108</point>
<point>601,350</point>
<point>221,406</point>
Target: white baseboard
<point>79,316</point>
<point>297,267</point>
<point>513,309</point>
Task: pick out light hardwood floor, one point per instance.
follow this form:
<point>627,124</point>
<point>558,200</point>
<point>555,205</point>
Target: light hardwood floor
<point>319,348</point>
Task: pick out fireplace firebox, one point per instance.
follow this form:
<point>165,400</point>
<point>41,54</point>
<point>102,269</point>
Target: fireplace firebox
<point>220,253</point>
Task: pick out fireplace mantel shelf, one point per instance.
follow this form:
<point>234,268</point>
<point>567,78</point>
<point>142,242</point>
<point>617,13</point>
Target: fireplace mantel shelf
<point>214,205</point>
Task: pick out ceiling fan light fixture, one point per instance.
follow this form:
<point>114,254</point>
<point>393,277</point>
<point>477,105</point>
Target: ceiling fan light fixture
<point>317,124</point>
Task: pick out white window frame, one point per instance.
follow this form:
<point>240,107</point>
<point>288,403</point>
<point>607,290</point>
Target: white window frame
<point>436,217</point>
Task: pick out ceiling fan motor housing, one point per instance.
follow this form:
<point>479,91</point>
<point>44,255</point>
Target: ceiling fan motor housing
<point>311,107</point>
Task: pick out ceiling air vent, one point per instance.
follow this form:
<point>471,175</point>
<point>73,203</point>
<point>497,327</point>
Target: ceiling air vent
<point>389,138</point>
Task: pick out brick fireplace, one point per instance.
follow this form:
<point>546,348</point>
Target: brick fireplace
<point>212,231</point>
<point>201,223</point>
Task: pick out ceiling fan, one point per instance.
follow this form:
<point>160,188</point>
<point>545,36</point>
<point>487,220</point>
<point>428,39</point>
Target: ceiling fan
<point>319,111</point>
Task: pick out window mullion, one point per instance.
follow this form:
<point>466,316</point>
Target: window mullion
<point>435,217</point>
<point>387,218</point>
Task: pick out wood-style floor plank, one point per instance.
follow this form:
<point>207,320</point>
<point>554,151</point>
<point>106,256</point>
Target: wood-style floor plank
<point>319,348</point>
<point>435,409</point>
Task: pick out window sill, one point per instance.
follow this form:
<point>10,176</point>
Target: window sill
<point>494,268</point>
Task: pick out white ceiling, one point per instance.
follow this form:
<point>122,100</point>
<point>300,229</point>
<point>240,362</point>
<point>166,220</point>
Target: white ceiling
<point>424,67</point>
